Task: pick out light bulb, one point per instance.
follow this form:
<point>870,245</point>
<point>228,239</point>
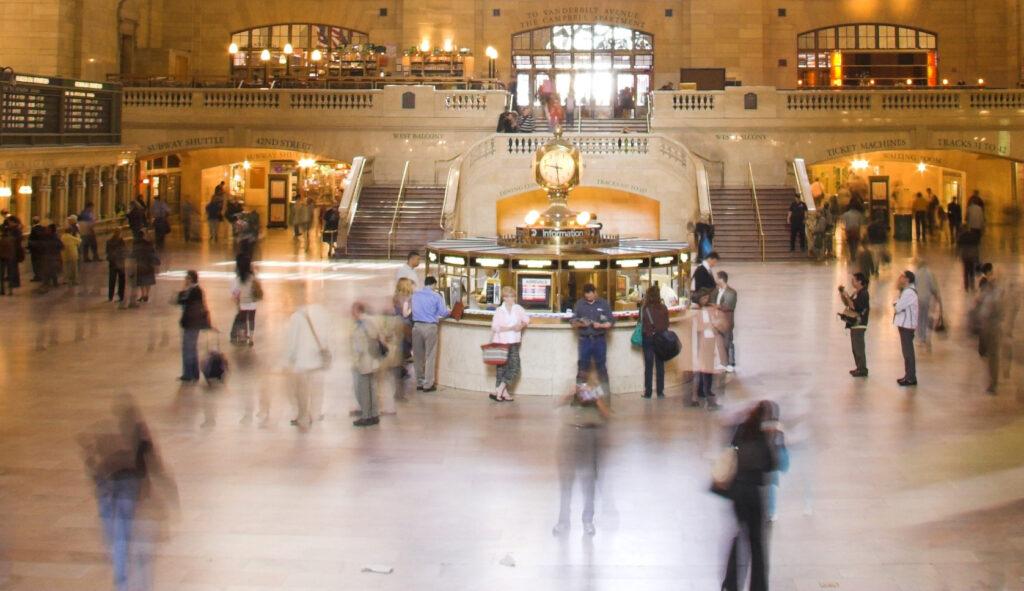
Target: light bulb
<point>447,45</point>
<point>425,45</point>
<point>532,217</point>
<point>921,167</point>
<point>491,52</point>
<point>25,190</point>
<point>583,217</point>
<point>288,49</point>
<point>233,48</point>
<point>246,165</point>
<point>5,191</point>
<point>316,55</point>
<point>265,55</point>
<point>282,60</point>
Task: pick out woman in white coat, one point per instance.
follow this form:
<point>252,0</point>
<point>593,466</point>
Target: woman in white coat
<point>310,353</point>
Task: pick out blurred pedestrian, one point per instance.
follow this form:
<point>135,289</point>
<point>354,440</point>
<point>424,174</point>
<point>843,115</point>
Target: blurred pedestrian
<point>969,245</point>
<point>725,298</point>
<point>507,326</point>
<point>929,301</point>
<point>188,212</point>
<point>146,263</point>
<point>402,302</point>
<point>921,216</point>
<point>706,352</point>
<point>116,254</point>
<point>580,452</point>
<point>302,219</point>
<point>653,320</point>
<point>905,319</point>
<point>797,220</point>
<point>390,381</point>
<point>134,493</point>
<point>11,255</point>
<point>428,309</point>
<point>757,456</point>
<point>330,222</point>
<point>247,291</point>
<point>70,250</point>
<point>53,261</point>
<point>137,219</point>
<point>976,219</point>
<point>310,354</point>
<point>990,315</point>
<point>857,310</point>
<point>160,213</point>
<point>853,219</point>
<point>367,352</point>
<point>215,212</point>
<point>955,215</point>
<point>87,225</point>
<point>195,317</point>
<point>36,236</point>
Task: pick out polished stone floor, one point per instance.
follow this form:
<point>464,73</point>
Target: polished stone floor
<point>890,490</point>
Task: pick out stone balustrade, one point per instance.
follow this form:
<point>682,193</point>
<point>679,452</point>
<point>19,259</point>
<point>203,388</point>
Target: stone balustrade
<point>786,105</point>
<point>516,144</point>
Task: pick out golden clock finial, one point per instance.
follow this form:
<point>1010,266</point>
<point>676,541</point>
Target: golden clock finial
<point>558,131</point>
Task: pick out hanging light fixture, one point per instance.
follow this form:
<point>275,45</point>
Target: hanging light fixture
<point>265,55</point>
<point>316,55</point>
<point>288,49</point>
<point>233,48</point>
<point>25,190</point>
<point>282,60</point>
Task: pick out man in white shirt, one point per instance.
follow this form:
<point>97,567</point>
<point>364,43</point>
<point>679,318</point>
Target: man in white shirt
<point>905,319</point>
<point>408,270</point>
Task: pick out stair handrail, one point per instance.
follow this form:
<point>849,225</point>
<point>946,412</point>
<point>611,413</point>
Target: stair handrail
<point>757,208</point>
<point>398,205</point>
<point>351,196</point>
<point>803,183</point>
<point>704,191</point>
<point>451,187</point>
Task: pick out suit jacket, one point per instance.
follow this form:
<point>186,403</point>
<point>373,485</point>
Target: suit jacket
<point>727,307</point>
<point>703,279</point>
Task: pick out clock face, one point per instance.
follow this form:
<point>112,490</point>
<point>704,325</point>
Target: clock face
<point>557,167</point>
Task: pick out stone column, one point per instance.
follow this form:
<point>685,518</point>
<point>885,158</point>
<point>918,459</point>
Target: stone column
<point>93,188</point>
<point>107,186</point>
<point>76,197</point>
<point>59,198</point>
<point>44,197</point>
<point>22,203</point>
<point>123,187</point>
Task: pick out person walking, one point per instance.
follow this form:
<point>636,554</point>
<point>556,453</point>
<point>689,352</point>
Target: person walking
<point>507,326</point>
<point>36,248</point>
<point>580,452</point>
<point>146,263</point>
<point>976,214</point>
<point>11,255</point>
<point>905,319</point>
<point>302,219</point>
<point>310,354</point>
<point>428,308</point>
<point>116,253</point>
<point>188,211</point>
<point>160,213</point>
<point>329,221</point>
<point>797,220</point>
<point>246,291</point>
<point>653,320</point>
<point>706,352</point>
<point>366,355</point>
<point>928,294</point>
<point>757,457</point>
<point>592,317</point>
<point>956,218</point>
<point>69,253</point>
<point>853,218</point>
<point>969,245</point>
<point>990,314</point>
<point>215,212</point>
<point>408,270</point>
<point>857,309</point>
<point>53,260</point>
<point>137,220</point>
<point>920,217</point>
<point>194,318</point>
<point>402,304</point>
<point>87,226</point>
<point>725,299</point>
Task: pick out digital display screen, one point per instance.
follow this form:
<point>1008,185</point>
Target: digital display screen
<point>535,291</point>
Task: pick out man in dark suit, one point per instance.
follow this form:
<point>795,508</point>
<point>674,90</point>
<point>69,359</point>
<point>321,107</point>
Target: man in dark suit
<point>725,300</point>
<point>704,277</point>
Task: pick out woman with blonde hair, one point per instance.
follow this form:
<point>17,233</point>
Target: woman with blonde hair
<point>510,319</point>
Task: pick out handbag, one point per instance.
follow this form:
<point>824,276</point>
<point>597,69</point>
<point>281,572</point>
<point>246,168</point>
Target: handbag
<point>667,345</point>
<point>495,353</point>
<point>637,339</point>
<point>326,357</point>
<point>723,471</point>
<point>457,310</point>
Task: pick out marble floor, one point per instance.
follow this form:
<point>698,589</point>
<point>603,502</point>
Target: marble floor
<point>890,489</point>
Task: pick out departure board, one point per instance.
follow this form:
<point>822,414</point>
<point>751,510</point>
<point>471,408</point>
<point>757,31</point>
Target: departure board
<point>37,110</point>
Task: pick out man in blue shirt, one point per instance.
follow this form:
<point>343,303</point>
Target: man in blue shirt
<point>592,317</point>
<point>428,308</point>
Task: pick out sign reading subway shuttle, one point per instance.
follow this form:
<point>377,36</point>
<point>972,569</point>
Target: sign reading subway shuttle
<point>40,110</point>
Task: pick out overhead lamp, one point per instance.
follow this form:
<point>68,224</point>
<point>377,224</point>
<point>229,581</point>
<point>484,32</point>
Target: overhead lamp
<point>859,164</point>
<point>910,82</point>
<point>233,48</point>
<point>246,164</point>
<point>25,190</point>
<point>491,52</point>
<point>532,217</point>
<point>306,162</point>
<point>282,60</point>
<point>922,167</point>
<point>447,45</point>
<point>145,181</point>
<point>583,217</point>
<point>5,191</point>
<point>265,55</point>
<point>425,45</point>
<point>871,82</point>
<point>288,49</point>
<point>981,82</point>
<point>945,81</point>
<point>316,55</point>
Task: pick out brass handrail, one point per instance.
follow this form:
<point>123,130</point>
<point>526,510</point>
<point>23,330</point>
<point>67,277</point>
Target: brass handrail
<point>357,190</point>
<point>398,205</point>
<point>757,208</point>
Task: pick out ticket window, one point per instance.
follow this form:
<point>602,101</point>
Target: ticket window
<point>486,284</point>
<point>572,280</point>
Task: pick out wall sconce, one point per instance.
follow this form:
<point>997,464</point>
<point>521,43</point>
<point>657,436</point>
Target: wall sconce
<point>922,167</point>
<point>316,55</point>
<point>981,82</point>
<point>447,45</point>
<point>265,55</point>
<point>859,164</point>
<point>282,60</point>
<point>233,48</point>
<point>288,49</point>
<point>425,45</point>
<point>246,165</point>
<point>25,190</point>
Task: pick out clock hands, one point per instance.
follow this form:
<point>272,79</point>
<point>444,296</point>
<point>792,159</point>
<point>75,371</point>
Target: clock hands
<point>558,172</point>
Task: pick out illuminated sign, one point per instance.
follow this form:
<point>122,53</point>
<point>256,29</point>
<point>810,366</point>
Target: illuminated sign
<point>457,261</point>
<point>93,85</point>
<point>490,263</point>
<point>664,260</point>
<point>585,264</point>
<point>629,263</point>
<point>432,256</point>
<point>533,264</point>
<point>31,79</point>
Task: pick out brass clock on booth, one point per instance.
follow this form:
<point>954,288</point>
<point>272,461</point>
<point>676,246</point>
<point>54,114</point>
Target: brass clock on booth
<point>556,165</point>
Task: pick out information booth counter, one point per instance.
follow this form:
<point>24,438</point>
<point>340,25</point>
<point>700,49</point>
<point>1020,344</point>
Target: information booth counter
<point>548,281</point>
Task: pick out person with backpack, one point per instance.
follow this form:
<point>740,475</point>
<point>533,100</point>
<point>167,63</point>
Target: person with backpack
<point>653,319</point>
<point>246,291</point>
<point>194,318</point>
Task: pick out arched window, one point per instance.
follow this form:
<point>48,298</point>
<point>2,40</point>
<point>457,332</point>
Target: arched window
<point>317,51</point>
<point>601,63</point>
<point>867,54</point>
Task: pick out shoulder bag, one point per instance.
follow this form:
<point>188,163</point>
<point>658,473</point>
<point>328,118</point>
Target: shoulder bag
<point>637,340</point>
<point>326,357</point>
<point>723,471</point>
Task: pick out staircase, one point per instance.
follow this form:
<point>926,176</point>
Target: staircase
<point>419,221</point>
<point>736,236</point>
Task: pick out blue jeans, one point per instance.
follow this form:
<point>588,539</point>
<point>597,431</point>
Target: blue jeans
<point>116,499</point>
<point>593,350</point>
<point>190,353</point>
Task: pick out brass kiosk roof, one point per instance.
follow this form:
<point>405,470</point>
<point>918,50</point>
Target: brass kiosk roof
<point>628,247</point>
